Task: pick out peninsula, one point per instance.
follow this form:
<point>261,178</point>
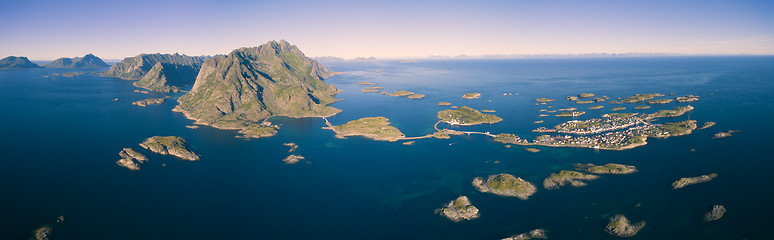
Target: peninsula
<point>505,185</point>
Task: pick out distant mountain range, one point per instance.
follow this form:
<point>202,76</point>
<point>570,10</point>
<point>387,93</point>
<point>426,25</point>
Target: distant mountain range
<point>13,62</point>
<point>88,61</point>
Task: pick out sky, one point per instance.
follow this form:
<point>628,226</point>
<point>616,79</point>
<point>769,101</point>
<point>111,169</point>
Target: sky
<point>46,30</point>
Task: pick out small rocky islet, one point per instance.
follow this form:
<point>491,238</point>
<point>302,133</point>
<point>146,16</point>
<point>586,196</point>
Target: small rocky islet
<point>472,95</point>
<point>131,159</point>
<point>149,101</point>
<point>533,234</point>
<point>620,226</point>
<point>715,213</point>
<point>169,145</point>
<point>459,209</point>
<point>683,182</point>
<point>564,177</point>
<point>610,168</point>
<point>505,185</point>
<point>293,159</point>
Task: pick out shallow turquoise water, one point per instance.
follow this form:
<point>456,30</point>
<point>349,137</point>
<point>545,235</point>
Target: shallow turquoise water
<point>61,138</point>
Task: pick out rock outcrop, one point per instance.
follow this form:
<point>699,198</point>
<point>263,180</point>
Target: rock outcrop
<point>249,85</point>
<point>88,61</point>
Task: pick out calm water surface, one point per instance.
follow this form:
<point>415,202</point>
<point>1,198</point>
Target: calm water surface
<point>61,137</point>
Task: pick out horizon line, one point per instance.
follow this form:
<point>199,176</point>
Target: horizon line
<point>482,56</point>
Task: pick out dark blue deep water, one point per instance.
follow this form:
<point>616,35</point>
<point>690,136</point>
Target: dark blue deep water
<point>61,137</point>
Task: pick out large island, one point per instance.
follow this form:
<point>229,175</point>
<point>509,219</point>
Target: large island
<point>244,88</point>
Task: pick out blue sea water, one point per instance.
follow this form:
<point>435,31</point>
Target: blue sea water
<point>61,137</point>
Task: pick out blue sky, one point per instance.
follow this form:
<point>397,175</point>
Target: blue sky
<point>45,30</point>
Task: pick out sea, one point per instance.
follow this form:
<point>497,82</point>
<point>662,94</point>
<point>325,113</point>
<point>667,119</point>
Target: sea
<point>61,137</point>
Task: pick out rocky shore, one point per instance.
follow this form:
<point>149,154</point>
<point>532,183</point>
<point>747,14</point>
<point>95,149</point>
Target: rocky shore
<point>619,226</point>
<point>459,209</point>
<point>562,178</point>
<point>683,182</point>
<point>505,185</point>
<point>169,145</point>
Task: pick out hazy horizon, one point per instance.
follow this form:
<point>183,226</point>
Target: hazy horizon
<point>45,30</point>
